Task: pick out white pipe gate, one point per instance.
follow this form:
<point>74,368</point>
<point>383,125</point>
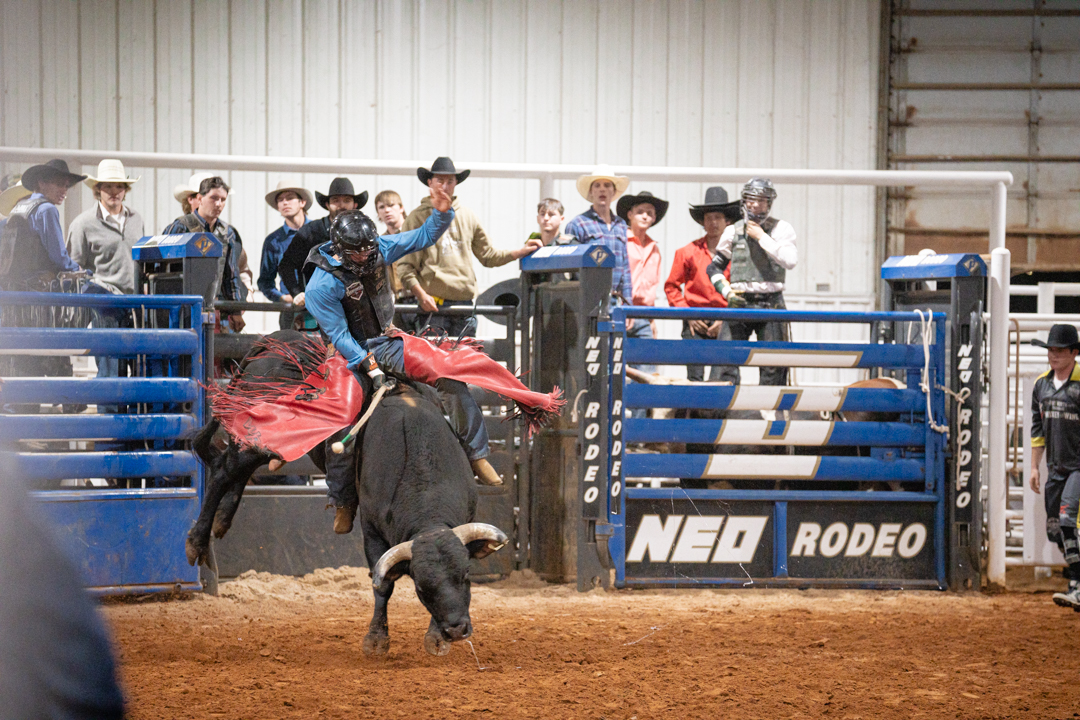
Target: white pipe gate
<point>995,182</point>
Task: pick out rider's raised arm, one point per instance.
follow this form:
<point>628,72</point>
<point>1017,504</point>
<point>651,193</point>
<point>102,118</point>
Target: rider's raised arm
<point>395,247</point>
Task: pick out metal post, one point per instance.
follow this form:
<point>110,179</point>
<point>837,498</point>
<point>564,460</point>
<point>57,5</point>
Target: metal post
<point>997,496</point>
<point>547,186</point>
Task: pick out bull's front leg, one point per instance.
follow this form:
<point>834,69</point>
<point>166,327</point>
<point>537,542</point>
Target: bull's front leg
<point>377,640</point>
<point>227,509</point>
<point>231,468</point>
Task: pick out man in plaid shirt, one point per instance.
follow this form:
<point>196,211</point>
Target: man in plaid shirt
<point>600,225</point>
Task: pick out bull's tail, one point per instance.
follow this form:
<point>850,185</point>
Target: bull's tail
<point>203,442</point>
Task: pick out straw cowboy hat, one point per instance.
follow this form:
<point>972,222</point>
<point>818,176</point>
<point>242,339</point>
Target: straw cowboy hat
<point>191,187</point>
<point>602,172</point>
<point>10,197</point>
<point>627,202</point>
<point>716,200</point>
<point>110,171</point>
<point>341,186</point>
<point>441,166</point>
<point>282,186</point>
<point>52,171</point>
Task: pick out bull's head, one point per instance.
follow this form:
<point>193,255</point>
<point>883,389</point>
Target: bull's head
<point>439,566</point>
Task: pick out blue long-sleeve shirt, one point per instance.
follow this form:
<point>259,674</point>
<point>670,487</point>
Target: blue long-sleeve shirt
<point>589,228</point>
<point>45,221</point>
<point>274,248</point>
<point>325,292</point>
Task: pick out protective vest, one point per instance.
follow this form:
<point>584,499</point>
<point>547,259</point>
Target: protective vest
<point>369,299</point>
<point>22,255</point>
<point>749,262</point>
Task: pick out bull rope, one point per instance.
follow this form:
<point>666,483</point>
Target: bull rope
<point>339,447</point>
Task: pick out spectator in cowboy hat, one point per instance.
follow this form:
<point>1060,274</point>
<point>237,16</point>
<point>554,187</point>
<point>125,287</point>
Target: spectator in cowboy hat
<point>292,201</point>
<point>641,212</point>
<point>442,275</point>
<point>1055,435</point>
<point>100,239</point>
<point>688,283</point>
<point>32,255</point>
<point>11,192</point>
<point>340,197</point>
<point>186,192</point>
<point>600,226</point>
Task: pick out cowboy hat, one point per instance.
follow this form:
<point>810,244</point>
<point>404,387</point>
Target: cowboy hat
<point>54,170</point>
<point>110,171</point>
<point>716,200</point>
<point>603,172</point>
<point>1060,336</point>
<point>341,186</point>
<point>441,166</point>
<point>11,196</point>
<point>282,186</point>
<point>191,187</point>
<point>627,202</point>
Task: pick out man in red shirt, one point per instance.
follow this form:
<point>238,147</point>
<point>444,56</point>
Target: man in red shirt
<point>688,284</point>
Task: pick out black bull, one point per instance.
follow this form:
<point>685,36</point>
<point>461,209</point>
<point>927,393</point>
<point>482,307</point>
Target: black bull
<point>417,503</point>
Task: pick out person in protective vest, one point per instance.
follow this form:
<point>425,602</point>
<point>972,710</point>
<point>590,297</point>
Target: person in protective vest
<point>760,250</point>
<point>351,297</point>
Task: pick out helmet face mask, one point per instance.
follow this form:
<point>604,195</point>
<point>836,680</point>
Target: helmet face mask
<point>760,189</point>
<point>356,242</point>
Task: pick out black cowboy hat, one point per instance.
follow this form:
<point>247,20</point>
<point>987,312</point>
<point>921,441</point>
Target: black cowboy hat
<point>54,170</point>
<point>627,202</point>
<point>716,200</point>
<point>441,166</point>
<point>341,186</point>
<point>1060,336</point>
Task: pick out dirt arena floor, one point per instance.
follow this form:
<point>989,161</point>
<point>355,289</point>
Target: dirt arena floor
<point>276,647</point>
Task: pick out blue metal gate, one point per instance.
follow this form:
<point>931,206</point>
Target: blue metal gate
<point>124,539</point>
<point>840,536</point>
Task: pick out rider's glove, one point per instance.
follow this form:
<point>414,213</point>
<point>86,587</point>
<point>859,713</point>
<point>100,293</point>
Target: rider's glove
<point>378,378</point>
<point>735,300</point>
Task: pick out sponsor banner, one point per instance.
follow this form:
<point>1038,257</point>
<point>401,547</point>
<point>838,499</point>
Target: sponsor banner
<point>861,540</point>
<point>698,539</point>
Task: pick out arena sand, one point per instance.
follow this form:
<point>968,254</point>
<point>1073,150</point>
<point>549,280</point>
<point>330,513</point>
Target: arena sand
<point>284,647</point>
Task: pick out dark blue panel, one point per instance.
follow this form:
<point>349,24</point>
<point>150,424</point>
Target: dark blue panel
<point>96,427</point>
<point>640,311</point>
<point>61,466</point>
<point>678,493</point>
<point>97,391</point>
<point>712,352</point>
<point>100,300</point>
<point>97,342</point>
<point>880,434</point>
<point>126,539</point>
<point>719,397</point>
<point>829,468</point>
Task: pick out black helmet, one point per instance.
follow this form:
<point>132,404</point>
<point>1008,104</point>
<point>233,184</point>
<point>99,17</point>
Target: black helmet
<point>356,241</point>
<point>759,188</point>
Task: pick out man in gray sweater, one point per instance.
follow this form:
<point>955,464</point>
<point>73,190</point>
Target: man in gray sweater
<point>100,240</point>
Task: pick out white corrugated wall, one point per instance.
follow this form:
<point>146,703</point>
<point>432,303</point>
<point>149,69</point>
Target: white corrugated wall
<point>753,83</point>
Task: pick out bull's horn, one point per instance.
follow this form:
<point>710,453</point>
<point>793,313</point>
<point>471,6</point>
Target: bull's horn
<point>390,558</point>
<point>471,532</point>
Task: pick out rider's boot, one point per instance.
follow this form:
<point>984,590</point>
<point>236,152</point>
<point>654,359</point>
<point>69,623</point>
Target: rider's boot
<point>485,472</point>
<point>343,519</point>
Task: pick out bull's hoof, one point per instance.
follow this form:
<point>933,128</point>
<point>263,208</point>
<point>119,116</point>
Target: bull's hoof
<point>196,555</point>
<point>376,644</point>
<point>435,645</point>
<point>220,528</point>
